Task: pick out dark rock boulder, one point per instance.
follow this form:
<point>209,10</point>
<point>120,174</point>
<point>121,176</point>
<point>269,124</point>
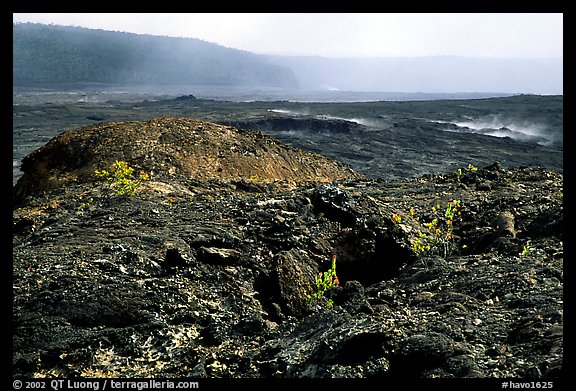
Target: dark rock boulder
<point>293,272</point>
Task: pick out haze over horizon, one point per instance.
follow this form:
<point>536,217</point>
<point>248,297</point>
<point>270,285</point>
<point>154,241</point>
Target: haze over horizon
<point>483,35</point>
<point>415,52</point>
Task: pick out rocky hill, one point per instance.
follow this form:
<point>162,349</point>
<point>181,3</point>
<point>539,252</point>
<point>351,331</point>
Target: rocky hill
<point>209,269</point>
<point>174,149</point>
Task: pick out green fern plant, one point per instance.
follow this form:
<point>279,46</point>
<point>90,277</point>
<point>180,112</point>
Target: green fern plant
<point>325,281</point>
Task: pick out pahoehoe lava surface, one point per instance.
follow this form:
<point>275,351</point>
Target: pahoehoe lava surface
<point>206,272</point>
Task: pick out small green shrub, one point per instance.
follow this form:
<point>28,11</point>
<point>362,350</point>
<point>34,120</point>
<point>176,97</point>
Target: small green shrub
<point>439,236</point>
<point>459,173</point>
<point>396,218</point>
<point>86,204</point>
<point>123,183</point>
<point>526,250</point>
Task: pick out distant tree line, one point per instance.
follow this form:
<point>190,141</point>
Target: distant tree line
<point>60,54</point>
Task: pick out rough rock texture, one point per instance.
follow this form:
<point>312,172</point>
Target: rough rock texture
<point>194,277</point>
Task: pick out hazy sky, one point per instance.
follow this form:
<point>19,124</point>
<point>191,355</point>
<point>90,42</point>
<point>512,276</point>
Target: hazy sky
<point>507,35</point>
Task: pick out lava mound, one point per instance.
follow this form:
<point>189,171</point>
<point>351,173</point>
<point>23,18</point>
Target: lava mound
<point>172,149</point>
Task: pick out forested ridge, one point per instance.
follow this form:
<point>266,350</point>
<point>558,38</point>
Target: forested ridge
<point>64,54</point>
